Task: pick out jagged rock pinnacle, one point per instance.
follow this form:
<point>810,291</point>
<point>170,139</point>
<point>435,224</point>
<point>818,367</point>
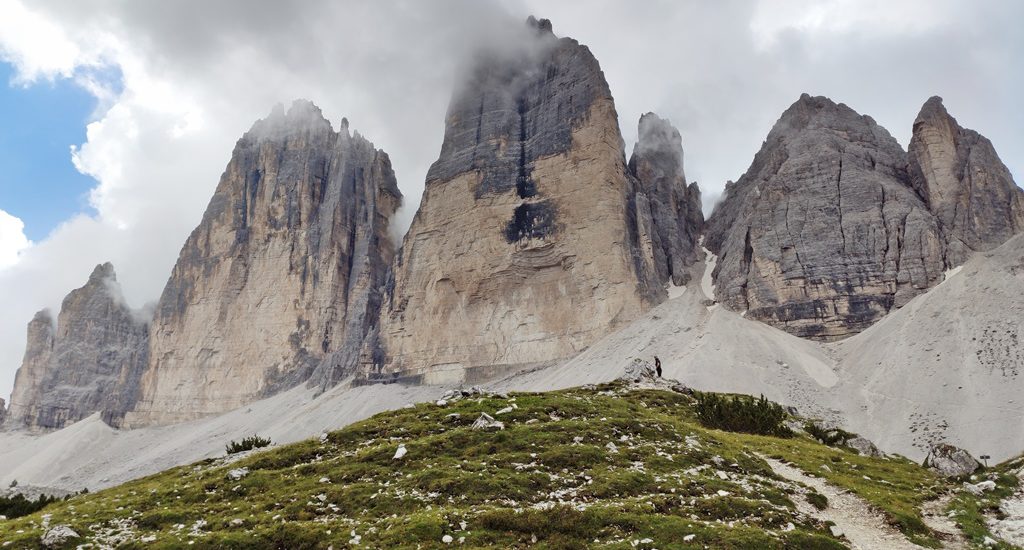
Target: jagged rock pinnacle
<point>965,184</point>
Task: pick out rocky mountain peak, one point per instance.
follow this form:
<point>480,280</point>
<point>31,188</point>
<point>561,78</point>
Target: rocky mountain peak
<point>303,117</point>
<point>103,272</point>
<point>823,234</point>
<point>965,184</point>
<point>528,209</point>
<point>933,109</point>
<point>541,25</point>
<point>284,271</point>
<point>89,360</point>
<point>669,213</point>
<point>657,136</point>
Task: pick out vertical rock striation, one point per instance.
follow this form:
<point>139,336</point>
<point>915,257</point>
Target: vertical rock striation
<point>964,183</point>
<point>89,362</point>
<point>669,211</point>
<point>525,246</point>
<point>35,366</point>
<point>823,234</point>
<point>285,269</point>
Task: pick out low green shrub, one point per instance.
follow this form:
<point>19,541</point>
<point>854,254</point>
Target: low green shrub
<point>17,505</point>
<point>817,500</point>
<point>742,414</point>
<point>833,437</point>
<point>247,444</point>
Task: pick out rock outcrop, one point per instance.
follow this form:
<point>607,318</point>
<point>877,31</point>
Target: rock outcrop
<point>823,235</point>
<point>964,183</point>
<point>3,411</point>
<point>284,270</point>
<point>668,210</point>
<point>951,461</point>
<point>89,362</point>
<point>525,248</point>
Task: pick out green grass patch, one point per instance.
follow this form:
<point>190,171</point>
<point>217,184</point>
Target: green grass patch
<point>572,469</point>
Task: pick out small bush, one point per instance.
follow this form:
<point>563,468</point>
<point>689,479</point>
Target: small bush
<point>833,437</point>
<point>247,444</point>
<point>562,523</point>
<point>818,500</point>
<point>742,414</point>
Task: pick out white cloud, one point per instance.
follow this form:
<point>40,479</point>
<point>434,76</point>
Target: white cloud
<point>822,18</point>
<point>37,46</point>
<point>12,239</point>
<point>196,74</point>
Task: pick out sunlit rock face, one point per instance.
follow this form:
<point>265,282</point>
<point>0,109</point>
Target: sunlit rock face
<point>89,361</point>
<point>285,269</point>
<point>824,234</point>
<point>525,247</point>
<point>963,181</point>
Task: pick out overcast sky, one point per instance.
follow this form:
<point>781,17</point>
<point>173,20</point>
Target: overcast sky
<point>172,85</point>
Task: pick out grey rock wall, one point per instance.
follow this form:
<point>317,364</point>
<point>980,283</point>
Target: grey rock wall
<point>964,183</point>
<point>283,274</point>
<point>89,361</point>
<point>526,247</point>
<point>823,235</point>
<point>668,206</point>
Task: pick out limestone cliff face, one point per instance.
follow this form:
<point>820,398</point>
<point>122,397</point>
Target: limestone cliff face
<point>35,366</point>
<point>89,362</point>
<point>285,269</point>
<point>525,246</point>
<point>965,184</point>
<point>669,211</point>
<point>823,234</point>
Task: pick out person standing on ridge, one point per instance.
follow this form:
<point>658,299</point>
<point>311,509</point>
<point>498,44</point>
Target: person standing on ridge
<point>657,365</point>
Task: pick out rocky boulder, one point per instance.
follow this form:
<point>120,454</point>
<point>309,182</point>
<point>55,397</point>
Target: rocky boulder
<point>57,536</point>
<point>950,461</point>
<point>864,446</point>
<point>89,361</point>
<point>283,276</point>
<point>638,371</point>
<point>669,213</point>
<point>963,181</point>
<point>525,247</point>
<point>823,235</point>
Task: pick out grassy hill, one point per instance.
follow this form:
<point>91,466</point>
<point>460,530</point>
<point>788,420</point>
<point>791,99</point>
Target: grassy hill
<point>610,465</point>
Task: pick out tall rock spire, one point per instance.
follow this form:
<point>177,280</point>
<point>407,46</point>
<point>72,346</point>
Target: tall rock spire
<point>823,234</point>
<point>89,361</point>
<point>525,248</point>
<point>285,269</point>
<point>669,207</point>
<point>966,185</point>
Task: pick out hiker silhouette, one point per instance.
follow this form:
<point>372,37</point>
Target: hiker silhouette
<point>657,365</point>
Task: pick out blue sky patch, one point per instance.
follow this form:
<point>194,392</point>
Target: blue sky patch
<point>38,125</point>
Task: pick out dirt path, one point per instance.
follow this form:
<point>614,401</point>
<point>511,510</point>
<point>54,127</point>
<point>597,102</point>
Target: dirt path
<point>934,515</point>
<point>1010,527</point>
<point>865,528</point>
